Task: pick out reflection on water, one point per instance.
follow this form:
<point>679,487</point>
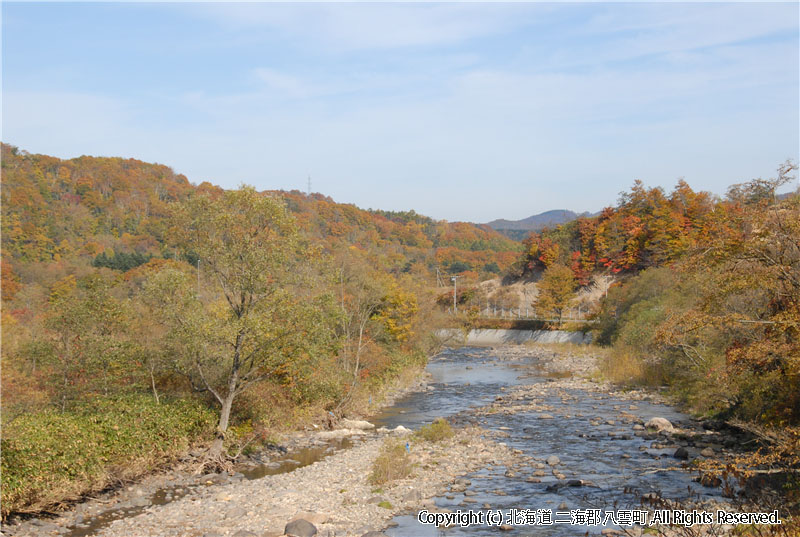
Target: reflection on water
<point>297,459</point>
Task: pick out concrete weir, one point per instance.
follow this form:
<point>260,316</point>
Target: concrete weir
<point>491,336</point>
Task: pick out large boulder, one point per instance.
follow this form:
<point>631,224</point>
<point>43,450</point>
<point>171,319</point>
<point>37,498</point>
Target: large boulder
<point>338,433</point>
<point>300,528</point>
<point>314,518</point>
<point>357,424</point>
<point>660,424</point>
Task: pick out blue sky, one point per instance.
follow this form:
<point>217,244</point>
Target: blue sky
<point>458,111</point>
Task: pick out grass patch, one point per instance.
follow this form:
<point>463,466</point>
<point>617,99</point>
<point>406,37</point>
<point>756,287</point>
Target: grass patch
<point>50,457</point>
<point>392,463</point>
<point>385,504</point>
<point>558,374</point>
<point>621,365</point>
<point>437,431</point>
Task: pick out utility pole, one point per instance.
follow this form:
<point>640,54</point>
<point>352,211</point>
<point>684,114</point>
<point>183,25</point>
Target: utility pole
<point>309,185</point>
<point>455,304</point>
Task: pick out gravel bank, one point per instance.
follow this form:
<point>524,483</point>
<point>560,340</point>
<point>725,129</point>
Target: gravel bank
<point>332,493</point>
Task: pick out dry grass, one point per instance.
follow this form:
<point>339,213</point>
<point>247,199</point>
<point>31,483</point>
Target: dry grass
<point>623,366</point>
<point>393,462</point>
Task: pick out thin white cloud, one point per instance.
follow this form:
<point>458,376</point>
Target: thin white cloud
<point>369,26</point>
<point>282,82</point>
<point>566,122</point>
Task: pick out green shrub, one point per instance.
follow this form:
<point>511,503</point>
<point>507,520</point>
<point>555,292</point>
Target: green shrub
<point>49,457</point>
<point>435,432</point>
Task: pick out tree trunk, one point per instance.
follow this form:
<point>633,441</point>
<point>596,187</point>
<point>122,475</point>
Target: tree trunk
<point>153,384</point>
<point>227,401</point>
<point>224,418</point>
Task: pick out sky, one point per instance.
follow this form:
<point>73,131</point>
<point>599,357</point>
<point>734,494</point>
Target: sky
<point>459,111</point>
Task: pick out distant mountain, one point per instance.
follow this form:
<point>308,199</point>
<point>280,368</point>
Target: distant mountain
<point>519,229</point>
<point>537,221</point>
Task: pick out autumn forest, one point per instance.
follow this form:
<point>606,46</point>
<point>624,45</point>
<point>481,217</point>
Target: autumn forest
<point>143,314</point>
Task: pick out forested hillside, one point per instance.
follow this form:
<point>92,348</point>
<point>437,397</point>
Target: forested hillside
<point>707,297</point>
<point>143,314</point>
<point>128,292</point>
<point>64,210</point>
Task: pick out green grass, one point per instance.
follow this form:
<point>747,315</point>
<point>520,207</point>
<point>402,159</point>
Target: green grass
<point>50,457</point>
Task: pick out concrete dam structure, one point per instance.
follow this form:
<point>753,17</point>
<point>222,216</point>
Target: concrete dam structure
<point>490,336</point>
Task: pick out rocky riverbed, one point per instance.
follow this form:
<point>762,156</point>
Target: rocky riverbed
<point>333,494</point>
<point>532,429</point>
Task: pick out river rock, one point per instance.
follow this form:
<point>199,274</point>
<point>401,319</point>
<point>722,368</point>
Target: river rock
<point>374,534</point>
<point>660,424</point>
<point>314,518</point>
<point>681,453</point>
<point>553,460</point>
<point>357,424</point>
<point>245,533</point>
<point>300,528</point>
<point>707,452</point>
<point>338,433</point>
<point>401,431</point>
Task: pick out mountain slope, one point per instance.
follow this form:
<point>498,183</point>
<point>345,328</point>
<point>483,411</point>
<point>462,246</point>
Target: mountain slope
<point>59,215</point>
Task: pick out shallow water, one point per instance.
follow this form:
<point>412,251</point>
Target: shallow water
<point>468,378</point>
<point>587,452</point>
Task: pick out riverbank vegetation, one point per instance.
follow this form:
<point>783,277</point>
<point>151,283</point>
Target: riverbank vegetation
<point>707,292</point>
<point>706,301</point>
<point>197,316</point>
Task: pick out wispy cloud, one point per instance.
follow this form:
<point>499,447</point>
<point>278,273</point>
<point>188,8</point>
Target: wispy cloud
<point>282,82</point>
<point>369,26</point>
<point>445,108</point>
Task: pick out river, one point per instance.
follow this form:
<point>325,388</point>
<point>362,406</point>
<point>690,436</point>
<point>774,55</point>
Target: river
<point>605,453</point>
<point>590,431</point>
